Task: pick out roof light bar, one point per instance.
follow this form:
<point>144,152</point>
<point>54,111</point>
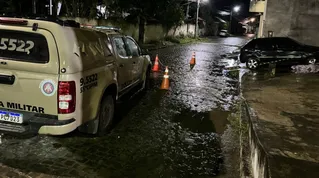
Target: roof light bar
<point>107,28</point>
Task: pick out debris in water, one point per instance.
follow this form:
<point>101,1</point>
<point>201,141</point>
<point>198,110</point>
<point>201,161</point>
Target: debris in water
<point>303,69</point>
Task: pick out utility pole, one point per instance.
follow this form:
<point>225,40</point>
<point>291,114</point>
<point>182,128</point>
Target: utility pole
<point>186,18</point>
<point>196,26</point>
<point>51,7</point>
<point>187,11</point>
<point>232,9</point>
<point>34,5</point>
<point>230,20</point>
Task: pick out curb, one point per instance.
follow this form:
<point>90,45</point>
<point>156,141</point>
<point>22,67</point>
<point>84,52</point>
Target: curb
<point>258,155</point>
<point>258,158</point>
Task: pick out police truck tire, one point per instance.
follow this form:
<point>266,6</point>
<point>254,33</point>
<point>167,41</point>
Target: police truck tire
<point>146,82</point>
<point>106,115</point>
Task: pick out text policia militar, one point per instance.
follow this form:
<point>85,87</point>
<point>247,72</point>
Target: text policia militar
<point>24,107</point>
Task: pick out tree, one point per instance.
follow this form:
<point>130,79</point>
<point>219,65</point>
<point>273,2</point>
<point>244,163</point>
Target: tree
<point>78,8</point>
<point>206,12</point>
<point>171,15</point>
<point>15,7</point>
<point>7,6</point>
<point>168,12</point>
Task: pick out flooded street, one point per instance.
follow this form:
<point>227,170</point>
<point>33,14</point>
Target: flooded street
<point>183,132</point>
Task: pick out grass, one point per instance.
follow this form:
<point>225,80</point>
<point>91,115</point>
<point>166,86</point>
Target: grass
<point>170,40</point>
<point>184,40</point>
<point>236,122</point>
<point>192,40</point>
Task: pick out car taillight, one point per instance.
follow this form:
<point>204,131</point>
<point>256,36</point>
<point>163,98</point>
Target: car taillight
<point>12,21</point>
<point>66,97</point>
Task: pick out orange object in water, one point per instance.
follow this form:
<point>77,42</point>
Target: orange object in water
<point>165,82</point>
<point>193,60</point>
<point>156,64</point>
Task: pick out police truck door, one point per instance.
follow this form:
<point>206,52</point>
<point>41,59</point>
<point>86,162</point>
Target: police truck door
<point>136,59</point>
<point>123,63</point>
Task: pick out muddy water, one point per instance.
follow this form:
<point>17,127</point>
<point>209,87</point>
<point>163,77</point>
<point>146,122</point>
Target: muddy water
<point>182,132</point>
<point>213,121</point>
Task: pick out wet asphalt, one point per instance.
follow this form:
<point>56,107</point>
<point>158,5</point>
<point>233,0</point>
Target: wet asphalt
<point>182,132</point>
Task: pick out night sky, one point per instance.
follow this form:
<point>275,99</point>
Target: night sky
<point>225,4</point>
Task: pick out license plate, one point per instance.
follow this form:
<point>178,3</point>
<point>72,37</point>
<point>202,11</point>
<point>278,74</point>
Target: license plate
<point>9,116</point>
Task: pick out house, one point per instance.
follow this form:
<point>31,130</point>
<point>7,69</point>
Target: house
<point>293,18</point>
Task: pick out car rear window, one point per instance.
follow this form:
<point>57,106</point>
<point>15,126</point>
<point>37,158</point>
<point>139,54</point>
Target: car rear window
<point>251,44</point>
<point>23,46</point>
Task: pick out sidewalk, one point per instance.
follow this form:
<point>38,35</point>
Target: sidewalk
<point>284,125</point>
<point>152,47</point>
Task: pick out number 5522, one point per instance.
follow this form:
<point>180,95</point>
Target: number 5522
<point>16,45</point>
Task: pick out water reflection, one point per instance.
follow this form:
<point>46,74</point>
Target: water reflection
<point>213,121</point>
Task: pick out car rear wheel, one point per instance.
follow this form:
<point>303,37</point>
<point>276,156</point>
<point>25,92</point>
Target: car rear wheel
<point>106,115</point>
<point>146,82</point>
<point>252,63</point>
<point>312,60</point>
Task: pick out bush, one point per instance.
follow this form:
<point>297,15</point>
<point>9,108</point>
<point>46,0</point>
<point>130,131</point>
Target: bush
<point>181,35</point>
<point>190,35</point>
<point>154,42</point>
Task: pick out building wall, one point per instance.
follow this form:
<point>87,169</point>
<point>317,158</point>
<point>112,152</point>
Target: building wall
<point>294,18</point>
<point>152,32</point>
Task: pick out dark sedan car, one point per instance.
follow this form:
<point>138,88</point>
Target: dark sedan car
<point>279,50</point>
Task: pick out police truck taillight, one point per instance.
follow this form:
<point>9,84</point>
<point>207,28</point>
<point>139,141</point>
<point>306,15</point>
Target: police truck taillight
<point>66,97</point>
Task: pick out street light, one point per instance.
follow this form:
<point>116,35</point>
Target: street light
<point>234,9</point>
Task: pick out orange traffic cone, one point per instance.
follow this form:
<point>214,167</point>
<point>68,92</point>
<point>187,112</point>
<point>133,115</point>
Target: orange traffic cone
<point>166,71</point>
<point>165,82</point>
<point>156,64</point>
<point>193,60</point>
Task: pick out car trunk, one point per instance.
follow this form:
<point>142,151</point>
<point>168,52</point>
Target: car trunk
<point>308,48</point>
<point>29,72</point>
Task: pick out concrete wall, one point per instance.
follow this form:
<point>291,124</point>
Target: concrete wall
<point>294,18</point>
<point>182,30</point>
<point>152,32</point>
<point>128,29</point>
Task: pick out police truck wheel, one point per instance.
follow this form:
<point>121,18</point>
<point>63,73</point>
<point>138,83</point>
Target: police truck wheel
<point>106,115</point>
<point>146,82</point>
<point>252,63</point>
